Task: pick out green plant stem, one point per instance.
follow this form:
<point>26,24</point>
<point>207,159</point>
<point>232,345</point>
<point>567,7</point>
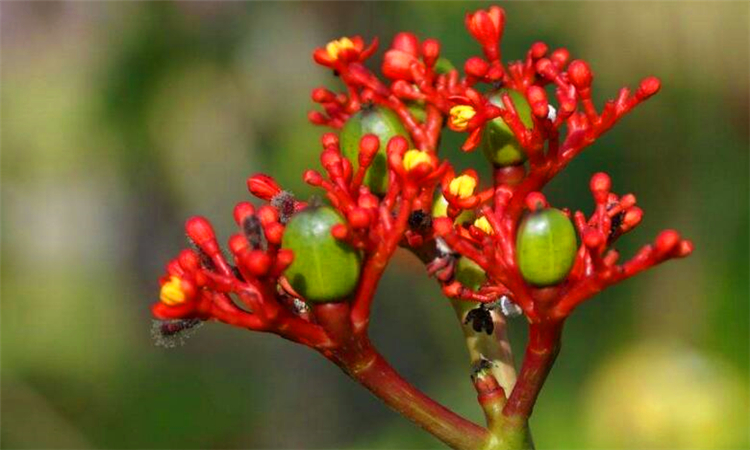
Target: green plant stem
<point>494,348</point>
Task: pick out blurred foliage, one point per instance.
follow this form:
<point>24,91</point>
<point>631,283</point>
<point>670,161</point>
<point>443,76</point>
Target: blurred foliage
<point>120,119</point>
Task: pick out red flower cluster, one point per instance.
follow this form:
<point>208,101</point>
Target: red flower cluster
<point>427,93</point>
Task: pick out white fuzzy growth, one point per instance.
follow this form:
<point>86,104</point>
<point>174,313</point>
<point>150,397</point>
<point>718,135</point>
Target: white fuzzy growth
<point>552,113</point>
<point>443,247</point>
<point>509,308</point>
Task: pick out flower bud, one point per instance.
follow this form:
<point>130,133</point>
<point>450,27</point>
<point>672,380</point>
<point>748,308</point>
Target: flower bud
<point>312,177</point>
<point>535,201</point>
<point>368,148</point>
<point>559,57</point>
<point>538,50</point>
<point>430,51</point>
<point>200,231</point>
<point>537,98</point>
<point>257,262</point>
<point>263,186</point>
<point>241,211</point>
<point>476,67</point>
<point>406,42</point>
<point>648,87</point>
<point>316,118</point>
<point>397,65</point>
<point>323,95</point>
<point>667,241</point>
<point>329,140</point>
<point>580,74</point>
<point>600,186</point>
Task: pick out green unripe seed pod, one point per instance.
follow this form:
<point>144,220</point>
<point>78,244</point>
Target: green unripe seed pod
<point>443,65</point>
<point>545,247</point>
<point>324,268</point>
<point>417,110</point>
<point>469,273</point>
<point>381,122</point>
<point>440,209</point>
<point>499,144</point>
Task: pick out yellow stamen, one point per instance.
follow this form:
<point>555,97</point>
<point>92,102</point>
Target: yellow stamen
<point>462,186</point>
<point>460,115</point>
<point>483,224</point>
<point>413,158</point>
<point>171,293</point>
<point>335,47</point>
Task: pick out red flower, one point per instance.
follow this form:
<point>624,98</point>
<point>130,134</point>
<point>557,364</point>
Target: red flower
<point>469,114</point>
<point>344,50</point>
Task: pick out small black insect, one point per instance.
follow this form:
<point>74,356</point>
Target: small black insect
<point>420,220</point>
<point>236,273</point>
<point>205,260</point>
<point>614,230</point>
<point>481,320</point>
<point>480,367</point>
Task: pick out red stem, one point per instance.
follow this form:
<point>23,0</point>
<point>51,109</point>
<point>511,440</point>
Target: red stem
<point>541,351</point>
<point>359,359</point>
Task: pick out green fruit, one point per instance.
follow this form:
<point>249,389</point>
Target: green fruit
<point>417,111</point>
<point>381,122</point>
<point>440,209</point>
<point>470,274</point>
<point>545,247</point>
<point>443,65</point>
<point>499,144</point>
<point>324,269</point>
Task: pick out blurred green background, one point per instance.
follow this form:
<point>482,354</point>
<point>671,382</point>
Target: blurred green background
<point>121,119</point>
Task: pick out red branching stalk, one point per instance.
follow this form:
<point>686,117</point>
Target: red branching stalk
<point>359,359</point>
<point>249,289</point>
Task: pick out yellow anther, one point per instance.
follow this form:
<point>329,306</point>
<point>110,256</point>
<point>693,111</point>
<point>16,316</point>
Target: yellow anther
<point>483,224</point>
<point>413,158</point>
<point>337,46</point>
<point>172,293</point>
<point>460,115</point>
<point>462,186</point>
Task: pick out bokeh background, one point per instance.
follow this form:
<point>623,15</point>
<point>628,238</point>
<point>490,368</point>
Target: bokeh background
<point>121,119</point>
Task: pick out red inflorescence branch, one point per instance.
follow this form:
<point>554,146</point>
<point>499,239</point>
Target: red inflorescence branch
<point>426,93</point>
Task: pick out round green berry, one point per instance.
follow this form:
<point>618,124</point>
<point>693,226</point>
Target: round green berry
<point>545,247</point>
<point>381,122</point>
<point>499,144</point>
<point>324,268</point>
<point>469,273</point>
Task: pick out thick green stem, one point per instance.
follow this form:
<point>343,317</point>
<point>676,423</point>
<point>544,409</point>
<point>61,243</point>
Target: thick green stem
<point>506,433</point>
<point>494,348</point>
